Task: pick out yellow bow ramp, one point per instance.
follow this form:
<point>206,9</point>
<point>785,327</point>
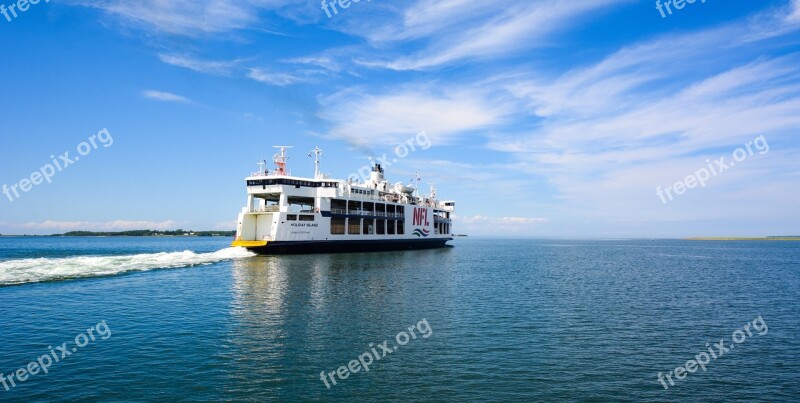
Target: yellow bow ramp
<point>248,244</point>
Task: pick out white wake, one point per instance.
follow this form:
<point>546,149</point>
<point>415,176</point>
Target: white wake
<point>23,271</point>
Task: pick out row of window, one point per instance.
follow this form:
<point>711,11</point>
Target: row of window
<point>339,206</point>
<point>300,217</point>
<point>293,182</point>
<point>366,226</point>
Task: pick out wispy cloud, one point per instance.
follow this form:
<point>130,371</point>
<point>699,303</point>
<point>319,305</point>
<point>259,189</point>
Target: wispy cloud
<point>325,61</point>
<point>181,17</point>
<point>202,17</point>
<point>278,79</point>
<point>794,14</point>
<point>236,68</point>
<point>608,133</point>
<point>496,225</point>
<point>165,96</point>
<point>487,30</point>
<point>388,118</point>
<point>199,65</point>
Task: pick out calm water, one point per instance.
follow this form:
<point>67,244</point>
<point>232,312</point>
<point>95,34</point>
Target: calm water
<point>507,320</point>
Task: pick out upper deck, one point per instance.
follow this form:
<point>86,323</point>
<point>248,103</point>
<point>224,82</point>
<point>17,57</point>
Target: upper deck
<point>280,188</point>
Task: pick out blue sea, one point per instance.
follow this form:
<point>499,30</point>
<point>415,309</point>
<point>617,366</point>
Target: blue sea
<point>189,319</point>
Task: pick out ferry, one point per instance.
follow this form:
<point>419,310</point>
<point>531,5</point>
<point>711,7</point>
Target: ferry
<point>289,214</point>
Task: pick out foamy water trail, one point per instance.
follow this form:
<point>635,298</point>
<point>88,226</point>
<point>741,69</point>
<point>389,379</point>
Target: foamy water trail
<point>23,271</point>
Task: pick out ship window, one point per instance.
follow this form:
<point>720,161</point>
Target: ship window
<point>337,226</point>
<point>300,204</point>
<point>401,227</point>
<point>306,218</point>
<point>369,228</point>
<point>354,207</point>
<point>291,217</point>
<point>390,225</point>
<point>354,227</point>
<point>291,182</point>
<point>381,227</point>
<point>338,206</point>
<point>369,208</point>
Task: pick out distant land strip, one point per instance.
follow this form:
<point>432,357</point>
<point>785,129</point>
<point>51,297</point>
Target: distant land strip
<point>769,238</point>
<point>178,232</point>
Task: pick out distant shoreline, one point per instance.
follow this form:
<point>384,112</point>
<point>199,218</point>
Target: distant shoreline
<point>179,233</point>
<point>134,233</point>
<point>769,238</point>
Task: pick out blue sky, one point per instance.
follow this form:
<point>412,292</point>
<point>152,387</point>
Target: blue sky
<point>546,118</point>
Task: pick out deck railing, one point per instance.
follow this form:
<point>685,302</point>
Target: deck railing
<point>267,209</point>
<point>367,213</point>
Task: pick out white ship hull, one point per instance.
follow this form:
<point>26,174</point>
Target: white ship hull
<point>283,232</point>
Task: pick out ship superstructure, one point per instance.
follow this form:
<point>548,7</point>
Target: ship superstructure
<point>289,214</point>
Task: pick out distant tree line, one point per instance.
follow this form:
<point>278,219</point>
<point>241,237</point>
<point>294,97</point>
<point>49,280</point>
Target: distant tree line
<point>178,232</point>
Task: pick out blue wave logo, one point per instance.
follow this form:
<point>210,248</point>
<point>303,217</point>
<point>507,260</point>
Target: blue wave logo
<point>421,232</point>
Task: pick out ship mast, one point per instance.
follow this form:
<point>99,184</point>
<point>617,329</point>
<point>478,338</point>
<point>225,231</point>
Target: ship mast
<point>280,160</point>
<point>262,167</point>
<point>317,153</point>
<point>416,179</point>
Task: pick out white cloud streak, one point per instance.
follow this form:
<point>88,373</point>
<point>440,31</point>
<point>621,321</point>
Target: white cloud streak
<point>165,96</point>
<point>389,118</point>
<point>278,79</point>
<point>460,30</point>
<point>187,17</point>
<point>199,65</point>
